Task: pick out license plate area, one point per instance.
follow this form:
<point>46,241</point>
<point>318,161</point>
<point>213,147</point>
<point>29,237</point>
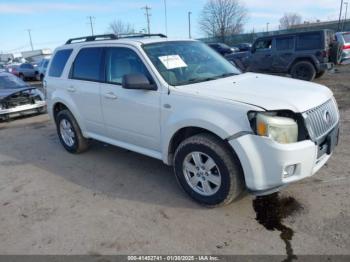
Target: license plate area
<point>330,142</point>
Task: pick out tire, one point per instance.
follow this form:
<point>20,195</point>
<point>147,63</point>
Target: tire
<point>66,121</point>
<point>228,183</point>
<point>303,70</point>
<point>320,74</point>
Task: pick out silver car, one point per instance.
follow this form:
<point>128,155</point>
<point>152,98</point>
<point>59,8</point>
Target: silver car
<point>344,39</point>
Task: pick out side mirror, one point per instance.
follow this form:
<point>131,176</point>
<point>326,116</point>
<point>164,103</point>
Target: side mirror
<point>137,81</point>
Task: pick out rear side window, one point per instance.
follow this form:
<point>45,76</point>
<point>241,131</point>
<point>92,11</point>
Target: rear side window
<point>87,64</point>
<point>346,37</point>
<point>285,43</point>
<point>310,41</point>
<point>59,62</point>
<point>27,66</point>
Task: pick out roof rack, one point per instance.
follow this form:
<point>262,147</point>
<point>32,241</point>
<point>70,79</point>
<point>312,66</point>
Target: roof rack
<point>109,37</point>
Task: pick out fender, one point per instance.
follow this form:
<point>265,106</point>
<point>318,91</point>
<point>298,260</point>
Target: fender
<point>220,124</point>
<point>59,96</point>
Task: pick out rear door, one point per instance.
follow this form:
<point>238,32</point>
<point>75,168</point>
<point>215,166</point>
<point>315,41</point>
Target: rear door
<point>284,53</point>
<point>261,59</point>
<point>85,76</point>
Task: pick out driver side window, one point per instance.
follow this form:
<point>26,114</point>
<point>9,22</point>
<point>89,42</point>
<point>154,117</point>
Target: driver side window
<point>263,44</point>
<point>122,61</point>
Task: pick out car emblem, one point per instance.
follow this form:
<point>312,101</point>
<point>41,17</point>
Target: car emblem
<point>327,117</point>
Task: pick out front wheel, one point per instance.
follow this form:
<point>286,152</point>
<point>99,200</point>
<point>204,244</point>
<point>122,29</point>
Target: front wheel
<point>69,133</point>
<point>207,170</point>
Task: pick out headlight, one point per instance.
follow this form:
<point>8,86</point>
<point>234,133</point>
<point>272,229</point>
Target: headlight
<point>283,130</point>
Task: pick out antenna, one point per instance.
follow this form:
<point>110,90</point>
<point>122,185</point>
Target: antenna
<point>147,14</point>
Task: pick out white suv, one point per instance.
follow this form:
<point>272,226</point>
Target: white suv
<point>181,102</point>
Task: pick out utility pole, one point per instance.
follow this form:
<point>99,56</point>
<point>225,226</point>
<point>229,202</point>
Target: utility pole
<point>147,14</point>
<point>341,11</point>
<point>30,39</point>
<point>346,14</point>
<point>189,25</point>
<point>91,24</point>
<point>166,18</point>
<point>267,27</point>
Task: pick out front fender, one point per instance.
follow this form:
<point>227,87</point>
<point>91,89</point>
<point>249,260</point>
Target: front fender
<point>220,124</point>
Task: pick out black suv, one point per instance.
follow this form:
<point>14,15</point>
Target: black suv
<point>305,56</point>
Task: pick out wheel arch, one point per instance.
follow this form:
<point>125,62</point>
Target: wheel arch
<point>60,105</point>
<point>303,59</point>
<point>186,132</point>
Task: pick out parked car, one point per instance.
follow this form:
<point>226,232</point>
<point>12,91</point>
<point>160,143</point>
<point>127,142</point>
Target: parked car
<point>304,56</point>
<point>17,98</point>
<point>223,49</point>
<point>41,69</point>
<point>181,102</point>
<point>243,47</point>
<point>2,68</point>
<point>344,39</point>
<point>23,71</point>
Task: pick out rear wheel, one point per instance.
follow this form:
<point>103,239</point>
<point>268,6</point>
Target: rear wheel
<point>207,170</point>
<point>69,133</point>
<point>303,70</point>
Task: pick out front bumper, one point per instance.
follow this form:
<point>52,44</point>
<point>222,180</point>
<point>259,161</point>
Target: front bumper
<point>264,162</point>
<point>22,110</point>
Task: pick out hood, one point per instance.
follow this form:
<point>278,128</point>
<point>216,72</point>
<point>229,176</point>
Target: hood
<point>7,92</point>
<point>264,91</point>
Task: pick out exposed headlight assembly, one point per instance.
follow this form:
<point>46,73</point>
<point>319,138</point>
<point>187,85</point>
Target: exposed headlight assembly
<point>283,130</point>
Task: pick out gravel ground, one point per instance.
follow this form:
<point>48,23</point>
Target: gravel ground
<point>113,201</point>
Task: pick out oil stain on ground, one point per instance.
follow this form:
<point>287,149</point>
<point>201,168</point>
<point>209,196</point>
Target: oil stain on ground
<point>271,210</point>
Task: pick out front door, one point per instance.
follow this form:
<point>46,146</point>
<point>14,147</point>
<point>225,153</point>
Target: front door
<point>131,116</point>
<point>261,59</point>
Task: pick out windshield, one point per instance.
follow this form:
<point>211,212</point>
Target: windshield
<point>8,81</point>
<point>187,62</point>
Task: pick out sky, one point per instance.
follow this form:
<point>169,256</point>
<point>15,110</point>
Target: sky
<point>52,22</point>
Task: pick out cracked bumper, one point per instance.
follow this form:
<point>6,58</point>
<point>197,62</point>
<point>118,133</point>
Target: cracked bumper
<point>264,162</point>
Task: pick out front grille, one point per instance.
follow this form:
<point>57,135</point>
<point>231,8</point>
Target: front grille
<point>321,119</point>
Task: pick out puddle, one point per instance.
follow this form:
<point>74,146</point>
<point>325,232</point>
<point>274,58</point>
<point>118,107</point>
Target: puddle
<point>271,210</point>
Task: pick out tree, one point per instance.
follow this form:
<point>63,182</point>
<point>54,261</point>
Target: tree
<point>119,27</point>
<point>221,18</point>
<point>289,20</point>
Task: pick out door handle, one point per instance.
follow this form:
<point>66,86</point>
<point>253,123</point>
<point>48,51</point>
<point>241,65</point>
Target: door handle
<point>111,95</point>
<point>71,89</point>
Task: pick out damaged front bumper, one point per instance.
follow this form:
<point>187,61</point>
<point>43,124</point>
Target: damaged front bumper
<point>38,106</point>
<point>268,165</point>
